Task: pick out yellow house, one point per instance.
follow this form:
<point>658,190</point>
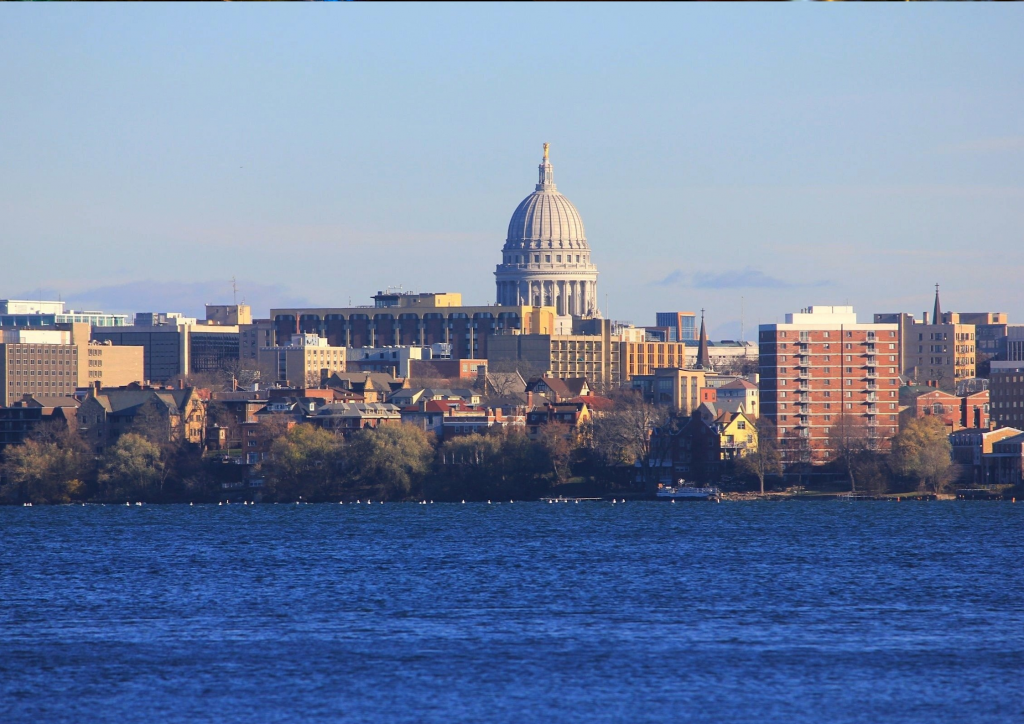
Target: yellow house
<point>738,434</point>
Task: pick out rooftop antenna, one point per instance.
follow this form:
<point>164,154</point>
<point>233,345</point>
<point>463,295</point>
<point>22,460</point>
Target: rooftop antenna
<point>234,290</point>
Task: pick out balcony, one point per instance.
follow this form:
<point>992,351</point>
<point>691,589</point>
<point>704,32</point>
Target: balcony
<point>804,399</point>
<point>804,374</point>
<point>872,397</point>
<point>871,374</point>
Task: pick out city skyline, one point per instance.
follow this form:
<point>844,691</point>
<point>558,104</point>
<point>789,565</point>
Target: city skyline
<point>737,162</point>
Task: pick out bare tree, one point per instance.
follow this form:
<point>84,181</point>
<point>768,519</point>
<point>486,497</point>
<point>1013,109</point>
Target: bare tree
<point>765,459</point>
<point>850,439</point>
<point>625,433</point>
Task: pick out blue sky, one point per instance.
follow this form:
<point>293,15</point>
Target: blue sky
<point>767,157</point>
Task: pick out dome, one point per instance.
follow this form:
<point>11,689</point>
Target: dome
<point>545,218</point>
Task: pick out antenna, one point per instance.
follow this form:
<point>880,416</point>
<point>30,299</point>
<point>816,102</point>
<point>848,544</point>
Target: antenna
<point>234,290</point>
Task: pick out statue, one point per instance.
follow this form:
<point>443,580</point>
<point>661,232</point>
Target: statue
<point>546,153</point>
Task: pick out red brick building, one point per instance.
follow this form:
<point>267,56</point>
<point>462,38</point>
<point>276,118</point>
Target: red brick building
<point>956,413</point>
<point>820,365</point>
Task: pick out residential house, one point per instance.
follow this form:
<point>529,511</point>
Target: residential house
<point>169,413</point>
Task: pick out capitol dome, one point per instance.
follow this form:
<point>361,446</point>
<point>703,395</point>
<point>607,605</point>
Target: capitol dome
<point>546,259</point>
<point>546,218</point>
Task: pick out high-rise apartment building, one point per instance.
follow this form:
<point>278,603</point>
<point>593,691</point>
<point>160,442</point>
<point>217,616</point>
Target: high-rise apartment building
<point>822,365</point>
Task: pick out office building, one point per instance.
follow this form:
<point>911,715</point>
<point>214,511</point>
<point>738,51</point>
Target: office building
<point>55,362</point>
<point>406,318</point>
<point>682,326</point>
<point>306,361</point>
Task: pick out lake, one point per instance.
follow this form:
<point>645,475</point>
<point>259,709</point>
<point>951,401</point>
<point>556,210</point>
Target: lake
<point>531,612</point>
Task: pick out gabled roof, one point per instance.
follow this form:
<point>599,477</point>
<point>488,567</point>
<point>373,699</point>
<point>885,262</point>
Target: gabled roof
<point>51,401</point>
<point>738,385</point>
<point>596,403</point>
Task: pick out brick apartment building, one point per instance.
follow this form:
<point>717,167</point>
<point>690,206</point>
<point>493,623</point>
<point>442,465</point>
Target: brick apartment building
<point>822,364</point>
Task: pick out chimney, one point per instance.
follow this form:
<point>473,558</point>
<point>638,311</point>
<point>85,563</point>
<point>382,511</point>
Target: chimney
<point>529,400</point>
<point>97,385</point>
<point>181,384</point>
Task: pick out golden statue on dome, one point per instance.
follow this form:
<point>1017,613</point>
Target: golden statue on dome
<point>546,152</point>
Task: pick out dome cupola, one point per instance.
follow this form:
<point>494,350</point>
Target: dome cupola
<point>546,255</point>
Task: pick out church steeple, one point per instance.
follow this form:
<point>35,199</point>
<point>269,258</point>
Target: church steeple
<point>937,313</point>
<point>546,180</point>
<point>703,357</point>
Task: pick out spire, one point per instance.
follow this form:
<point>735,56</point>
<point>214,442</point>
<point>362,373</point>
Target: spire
<point>703,357</point>
<point>937,314</point>
<point>546,180</point>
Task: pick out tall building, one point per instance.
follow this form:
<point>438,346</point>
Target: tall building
<point>55,362</point>
<point>597,351</point>
<point>546,258</point>
<point>933,352</point>
<point>820,365</point>
<point>682,326</point>
<point>397,319</point>
<point>306,362</point>
<point>176,345</point>
<point>1006,393</point>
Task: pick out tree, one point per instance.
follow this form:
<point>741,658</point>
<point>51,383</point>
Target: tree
<point>765,460</point>
<point>392,460</point>
<point>307,462</point>
<point>921,451</point>
<point>559,440</point>
<point>131,469</point>
<point>624,434</point>
<point>850,440</point>
<point>42,472</point>
<point>503,464</point>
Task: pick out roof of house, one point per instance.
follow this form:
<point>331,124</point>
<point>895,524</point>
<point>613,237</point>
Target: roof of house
<point>121,401</point>
<point>739,385</point>
<point>359,409</point>
<point>49,401</point>
<point>596,403</point>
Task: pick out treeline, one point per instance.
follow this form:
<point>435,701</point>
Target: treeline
<point>917,458</point>
<point>305,463</point>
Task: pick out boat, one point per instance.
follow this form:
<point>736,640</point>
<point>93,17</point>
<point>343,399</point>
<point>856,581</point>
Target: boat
<point>683,491</point>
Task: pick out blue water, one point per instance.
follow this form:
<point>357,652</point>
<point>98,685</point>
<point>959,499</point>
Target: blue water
<point>593,612</point>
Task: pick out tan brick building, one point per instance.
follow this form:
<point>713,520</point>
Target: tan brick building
<point>59,360</point>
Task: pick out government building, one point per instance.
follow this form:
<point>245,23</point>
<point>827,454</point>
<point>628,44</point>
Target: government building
<point>546,258</point>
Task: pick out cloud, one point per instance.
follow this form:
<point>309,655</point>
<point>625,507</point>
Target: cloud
<point>675,279</point>
<point>189,298</point>
<point>736,279</point>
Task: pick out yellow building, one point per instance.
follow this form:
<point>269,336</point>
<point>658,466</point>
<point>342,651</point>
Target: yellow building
<point>738,434</point>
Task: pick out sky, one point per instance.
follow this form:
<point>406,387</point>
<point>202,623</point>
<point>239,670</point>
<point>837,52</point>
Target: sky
<point>748,160</point>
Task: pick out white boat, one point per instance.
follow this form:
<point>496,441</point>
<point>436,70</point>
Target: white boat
<point>682,491</point>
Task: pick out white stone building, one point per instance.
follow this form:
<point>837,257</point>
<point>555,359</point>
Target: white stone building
<point>546,258</point>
